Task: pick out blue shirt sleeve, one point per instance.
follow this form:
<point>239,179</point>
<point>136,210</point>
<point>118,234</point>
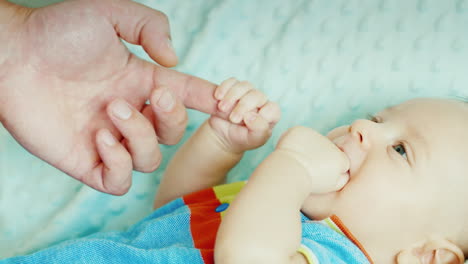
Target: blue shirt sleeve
<point>322,245</point>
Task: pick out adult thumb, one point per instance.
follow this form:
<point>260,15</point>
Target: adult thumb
<point>141,25</point>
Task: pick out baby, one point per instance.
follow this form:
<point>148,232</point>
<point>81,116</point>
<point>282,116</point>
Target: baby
<point>385,190</point>
<point>395,181</point>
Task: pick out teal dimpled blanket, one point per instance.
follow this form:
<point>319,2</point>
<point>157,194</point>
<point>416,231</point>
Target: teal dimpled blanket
<point>325,62</point>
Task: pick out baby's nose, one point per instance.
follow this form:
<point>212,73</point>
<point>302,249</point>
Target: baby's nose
<point>353,149</point>
<point>360,130</point>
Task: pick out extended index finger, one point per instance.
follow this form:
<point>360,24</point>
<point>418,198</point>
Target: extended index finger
<point>193,92</point>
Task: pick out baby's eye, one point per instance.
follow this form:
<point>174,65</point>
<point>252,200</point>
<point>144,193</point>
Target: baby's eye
<point>373,118</point>
<point>400,149</point>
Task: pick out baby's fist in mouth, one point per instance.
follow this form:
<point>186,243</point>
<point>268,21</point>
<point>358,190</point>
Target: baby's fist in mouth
<point>326,164</point>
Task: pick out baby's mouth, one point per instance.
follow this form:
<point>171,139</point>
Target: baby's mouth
<point>344,152</point>
<point>347,174</point>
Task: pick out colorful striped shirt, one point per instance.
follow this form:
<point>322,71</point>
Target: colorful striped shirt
<point>184,231</point>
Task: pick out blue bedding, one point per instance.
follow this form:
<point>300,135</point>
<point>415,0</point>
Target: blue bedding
<point>325,62</point>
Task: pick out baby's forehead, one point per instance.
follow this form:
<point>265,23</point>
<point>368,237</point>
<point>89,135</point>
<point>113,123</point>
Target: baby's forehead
<point>447,111</point>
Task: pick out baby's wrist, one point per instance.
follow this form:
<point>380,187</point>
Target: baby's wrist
<point>298,175</point>
<point>222,143</point>
<point>219,143</point>
<point>226,147</point>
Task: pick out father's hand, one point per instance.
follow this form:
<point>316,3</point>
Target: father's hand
<point>65,77</point>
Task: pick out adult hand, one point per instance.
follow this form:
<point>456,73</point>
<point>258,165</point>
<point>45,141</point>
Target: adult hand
<point>65,76</point>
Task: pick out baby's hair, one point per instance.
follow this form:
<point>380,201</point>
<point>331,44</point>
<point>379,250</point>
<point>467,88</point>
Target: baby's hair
<point>460,98</point>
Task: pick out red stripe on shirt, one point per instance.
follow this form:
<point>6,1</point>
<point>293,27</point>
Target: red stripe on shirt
<point>204,221</point>
<point>350,236</point>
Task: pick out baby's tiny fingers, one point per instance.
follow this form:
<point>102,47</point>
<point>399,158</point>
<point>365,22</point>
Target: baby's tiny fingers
<point>259,128</point>
<point>255,122</point>
<point>251,101</point>
<point>271,112</point>
<point>235,93</point>
<point>222,89</point>
<point>114,174</point>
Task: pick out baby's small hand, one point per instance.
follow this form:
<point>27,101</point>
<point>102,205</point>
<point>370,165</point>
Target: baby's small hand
<point>250,117</point>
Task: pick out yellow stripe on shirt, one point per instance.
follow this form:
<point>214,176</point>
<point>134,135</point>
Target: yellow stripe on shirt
<point>308,254</point>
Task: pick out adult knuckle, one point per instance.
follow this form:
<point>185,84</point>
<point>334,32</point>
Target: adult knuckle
<point>163,17</point>
<point>174,139</point>
<point>153,165</point>
<point>175,136</point>
<point>180,120</point>
<point>119,188</point>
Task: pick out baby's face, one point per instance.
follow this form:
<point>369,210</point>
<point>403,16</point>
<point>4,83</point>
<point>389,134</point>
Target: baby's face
<point>408,172</point>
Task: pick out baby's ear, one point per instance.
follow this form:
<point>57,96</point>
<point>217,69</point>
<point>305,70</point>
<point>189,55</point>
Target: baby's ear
<point>432,251</point>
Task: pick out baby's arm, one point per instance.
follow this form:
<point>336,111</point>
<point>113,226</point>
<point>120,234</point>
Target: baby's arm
<point>218,145</point>
<point>263,225</point>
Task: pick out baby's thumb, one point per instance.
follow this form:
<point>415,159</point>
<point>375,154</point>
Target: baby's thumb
<point>342,181</point>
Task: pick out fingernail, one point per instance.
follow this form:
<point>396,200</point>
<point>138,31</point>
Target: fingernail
<point>342,181</point>
<point>165,101</point>
<point>108,138</point>
<point>121,110</point>
<point>251,116</point>
<point>235,117</point>
<point>169,45</point>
